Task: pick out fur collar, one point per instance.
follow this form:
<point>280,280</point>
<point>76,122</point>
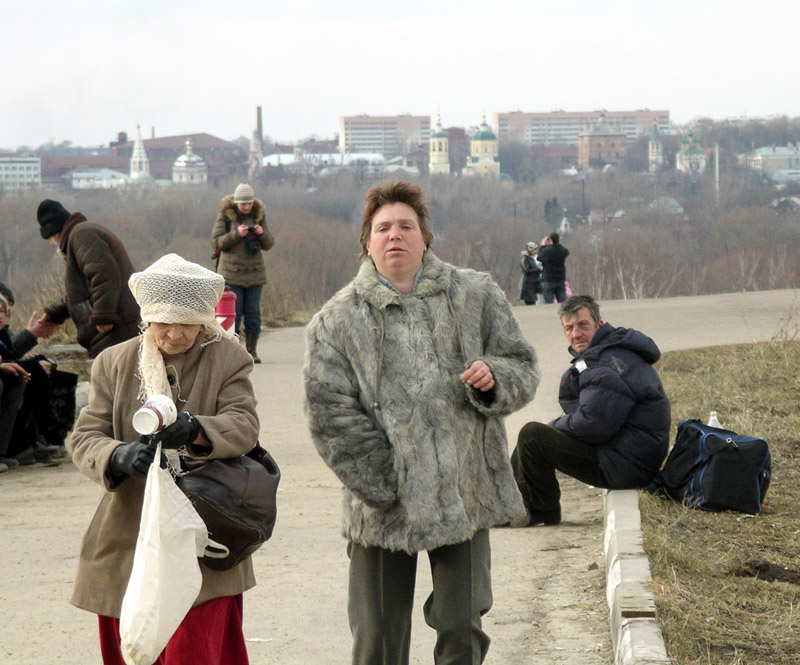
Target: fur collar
<point>228,208</point>
<point>73,220</point>
<point>436,277</point>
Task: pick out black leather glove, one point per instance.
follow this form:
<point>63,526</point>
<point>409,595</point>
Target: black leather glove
<point>131,459</point>
<point>180,433</point>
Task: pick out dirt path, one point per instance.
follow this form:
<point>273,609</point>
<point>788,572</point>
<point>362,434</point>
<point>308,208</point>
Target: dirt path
<point>549,589</point>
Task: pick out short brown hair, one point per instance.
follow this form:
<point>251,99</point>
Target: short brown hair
<point>394,192</point>
<point>572,304</point>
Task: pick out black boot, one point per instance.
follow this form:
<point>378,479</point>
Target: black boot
<point>251,342</point>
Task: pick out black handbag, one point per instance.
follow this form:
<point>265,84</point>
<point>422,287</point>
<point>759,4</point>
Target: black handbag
<point>236,498</point>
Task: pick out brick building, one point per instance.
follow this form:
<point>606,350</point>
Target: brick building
<point>223,158</point>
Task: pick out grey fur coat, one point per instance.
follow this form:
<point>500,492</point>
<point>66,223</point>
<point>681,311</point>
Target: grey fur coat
<point>423,459</point>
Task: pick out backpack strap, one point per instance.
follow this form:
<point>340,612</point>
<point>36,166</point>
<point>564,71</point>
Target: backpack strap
<point>718,443</point>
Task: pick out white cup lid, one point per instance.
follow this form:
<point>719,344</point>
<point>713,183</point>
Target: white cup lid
<point>146,420</point>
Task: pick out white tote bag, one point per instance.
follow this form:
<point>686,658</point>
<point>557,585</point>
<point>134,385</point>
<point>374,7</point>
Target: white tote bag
<point>166,578</point>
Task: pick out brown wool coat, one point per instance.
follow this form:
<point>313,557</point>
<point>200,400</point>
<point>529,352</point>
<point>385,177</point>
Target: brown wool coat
<point>213,384</point>
<point>96,286</point>
<point>235,264</point>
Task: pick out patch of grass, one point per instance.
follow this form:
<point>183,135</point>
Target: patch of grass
<point>712,611</point>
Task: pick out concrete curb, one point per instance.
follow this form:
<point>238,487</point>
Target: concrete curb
<point>635,634</point>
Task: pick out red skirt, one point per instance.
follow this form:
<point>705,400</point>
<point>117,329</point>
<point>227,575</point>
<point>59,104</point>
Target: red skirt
<point>210,634</point>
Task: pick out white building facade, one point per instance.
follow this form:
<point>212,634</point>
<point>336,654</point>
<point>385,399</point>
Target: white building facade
<point>769,160</point>
<point>97,179</point>
<point>20,173</point>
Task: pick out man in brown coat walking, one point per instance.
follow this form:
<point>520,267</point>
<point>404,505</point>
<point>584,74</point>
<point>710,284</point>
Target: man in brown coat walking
<point>97,297</point>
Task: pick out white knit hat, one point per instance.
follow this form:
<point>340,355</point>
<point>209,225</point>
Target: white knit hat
<point>243,194</point>
<point>174,290</point>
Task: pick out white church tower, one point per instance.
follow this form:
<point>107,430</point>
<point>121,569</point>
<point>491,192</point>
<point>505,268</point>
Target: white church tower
<point>439,153</point>
<point>655,150</point>
<point>140,165</point>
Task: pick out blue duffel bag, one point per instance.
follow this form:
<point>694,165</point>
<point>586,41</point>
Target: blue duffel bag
<point>715,469</point>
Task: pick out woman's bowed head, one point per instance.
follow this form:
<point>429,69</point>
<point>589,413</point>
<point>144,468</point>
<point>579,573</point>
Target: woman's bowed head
<point>177,300</point>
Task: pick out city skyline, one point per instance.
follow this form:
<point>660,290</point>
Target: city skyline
<point>84,72</point>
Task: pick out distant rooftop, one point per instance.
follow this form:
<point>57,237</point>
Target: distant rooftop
<point>777,151</point>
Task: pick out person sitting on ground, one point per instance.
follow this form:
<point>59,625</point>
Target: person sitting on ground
<point>36,417</point>
<point>12,386</point>
<point>615,429</point>
<point>26,339</point>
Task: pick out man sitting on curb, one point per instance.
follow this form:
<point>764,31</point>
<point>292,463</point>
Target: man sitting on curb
<point>615,429</point>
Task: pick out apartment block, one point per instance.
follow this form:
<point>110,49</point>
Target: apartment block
<point>20,173</point>
<point>564,127</point>
<point>388,135</point>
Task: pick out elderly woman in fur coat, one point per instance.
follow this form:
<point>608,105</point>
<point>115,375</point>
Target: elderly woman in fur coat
<point>409,371</point>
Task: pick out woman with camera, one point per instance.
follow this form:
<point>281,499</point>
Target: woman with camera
<point>239,237</point>
<point>183,353</point>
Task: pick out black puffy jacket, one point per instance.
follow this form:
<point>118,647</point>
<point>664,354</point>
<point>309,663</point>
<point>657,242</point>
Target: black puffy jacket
<point>613,399</point>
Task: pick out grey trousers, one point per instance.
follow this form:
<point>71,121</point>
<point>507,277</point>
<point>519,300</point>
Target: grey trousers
<point>381,597</point>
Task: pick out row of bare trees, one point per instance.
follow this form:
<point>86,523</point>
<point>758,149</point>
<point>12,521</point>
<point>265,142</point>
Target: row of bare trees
<point>739,244</point>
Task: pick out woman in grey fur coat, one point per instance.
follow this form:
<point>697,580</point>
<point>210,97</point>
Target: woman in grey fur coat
<point>409,371</point>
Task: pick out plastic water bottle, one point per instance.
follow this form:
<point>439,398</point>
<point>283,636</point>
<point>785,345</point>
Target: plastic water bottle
<point>713,421</point>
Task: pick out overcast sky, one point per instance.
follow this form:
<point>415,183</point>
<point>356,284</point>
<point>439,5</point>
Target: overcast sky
<point>87,69</point>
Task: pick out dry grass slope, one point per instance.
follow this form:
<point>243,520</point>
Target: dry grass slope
<point>727,585</point>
